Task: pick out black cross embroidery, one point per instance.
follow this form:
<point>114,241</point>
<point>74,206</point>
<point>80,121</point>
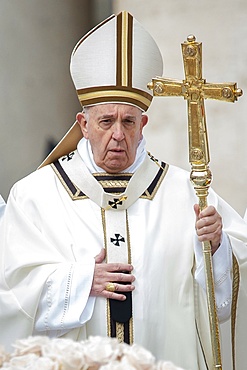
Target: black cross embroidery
<point>118,239</point>
<point>68,156</point>
<point>116,202</point>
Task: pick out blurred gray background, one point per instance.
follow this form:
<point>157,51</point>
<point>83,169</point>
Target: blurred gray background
<point>38,102</point>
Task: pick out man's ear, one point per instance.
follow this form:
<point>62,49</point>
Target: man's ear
<point>81,119</point>
<point>144,120</point>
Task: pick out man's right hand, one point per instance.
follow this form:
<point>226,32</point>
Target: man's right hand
<point>117,273</point>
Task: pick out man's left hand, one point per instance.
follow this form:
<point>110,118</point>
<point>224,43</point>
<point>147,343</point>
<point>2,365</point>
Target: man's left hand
<point>208,226</point>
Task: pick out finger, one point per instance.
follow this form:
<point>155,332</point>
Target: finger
<point>212,234</point>
<point>208,211</point>
<point>106,289</point>
<point>100,257</point>
<point>209,221</point>
<point>116,296</point>
<point>115,267</point>
<point>121,277</point>
<point>197,211</point>
<point>118,289</point>
<point>208,226</point>
<point>205,230</point>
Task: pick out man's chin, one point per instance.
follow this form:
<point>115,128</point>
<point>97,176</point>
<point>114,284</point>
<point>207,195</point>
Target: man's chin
<point>115,167</point>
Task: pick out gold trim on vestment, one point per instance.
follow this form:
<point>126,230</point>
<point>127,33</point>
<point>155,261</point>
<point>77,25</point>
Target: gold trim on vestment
<point>111,184</point>
<point>131,328</point>
<point>128,237</point>
<point>235,291</point>
<point>114,176</point>
<point>120,332</point>
<point>151,196</point>
<point>104,230</point>
<point>108,318</point>
<point>73,196</point>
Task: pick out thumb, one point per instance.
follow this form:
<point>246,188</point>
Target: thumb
<point>197,211</point>
<point>100,257</point>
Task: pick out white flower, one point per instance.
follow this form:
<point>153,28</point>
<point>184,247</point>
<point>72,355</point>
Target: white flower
<point>69,354</point>
<point>101,350</point>
<point>4,356</point>
<point>139,357</point>
<point>30,362</point>
<point>30,345</point>
<point>95,353</point>
<point>118,365</point>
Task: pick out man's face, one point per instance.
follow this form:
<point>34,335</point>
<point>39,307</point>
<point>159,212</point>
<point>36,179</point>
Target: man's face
<point>114,131</point>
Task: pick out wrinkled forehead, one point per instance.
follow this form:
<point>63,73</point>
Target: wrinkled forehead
<point>113,109</point>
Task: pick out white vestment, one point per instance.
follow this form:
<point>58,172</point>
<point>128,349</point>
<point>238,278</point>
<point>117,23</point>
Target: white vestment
<point>2,206</point>
<point>52,232</point>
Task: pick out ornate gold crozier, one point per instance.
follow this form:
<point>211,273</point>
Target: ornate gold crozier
<point>195,89</point>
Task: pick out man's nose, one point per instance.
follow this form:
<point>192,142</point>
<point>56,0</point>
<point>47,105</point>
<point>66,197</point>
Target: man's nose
<point>117,131</point>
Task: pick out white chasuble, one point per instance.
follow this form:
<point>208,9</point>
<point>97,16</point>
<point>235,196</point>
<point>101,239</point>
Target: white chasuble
<point>114,211</point>
<point>52,230</point>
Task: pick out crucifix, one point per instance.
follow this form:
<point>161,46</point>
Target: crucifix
<point>195,89</point>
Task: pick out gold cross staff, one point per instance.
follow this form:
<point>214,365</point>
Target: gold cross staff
<point>195,89</point>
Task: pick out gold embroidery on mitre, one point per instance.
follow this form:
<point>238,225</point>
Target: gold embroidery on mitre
<point>91,96</point>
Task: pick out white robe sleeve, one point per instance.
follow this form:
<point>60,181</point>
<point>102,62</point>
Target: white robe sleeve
<point>65,302</point>
<point>2,206</point>
<point>222,266</point>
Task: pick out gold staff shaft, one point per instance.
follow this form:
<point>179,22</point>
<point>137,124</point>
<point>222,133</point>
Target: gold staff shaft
<point>201,179</point>
<point>195,89</point>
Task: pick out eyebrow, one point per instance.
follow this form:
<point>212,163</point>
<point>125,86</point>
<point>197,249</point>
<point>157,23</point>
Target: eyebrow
<point>106,116</point>
<point>128,116</point>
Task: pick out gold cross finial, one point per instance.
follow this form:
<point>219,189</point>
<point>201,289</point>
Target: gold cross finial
<point>195,89</point>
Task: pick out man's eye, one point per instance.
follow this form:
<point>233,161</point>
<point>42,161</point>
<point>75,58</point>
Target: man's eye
<point>105,123</point>
<point>128,122</point>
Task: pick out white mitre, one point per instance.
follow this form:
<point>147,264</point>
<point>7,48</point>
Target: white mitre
<point>113,63</point>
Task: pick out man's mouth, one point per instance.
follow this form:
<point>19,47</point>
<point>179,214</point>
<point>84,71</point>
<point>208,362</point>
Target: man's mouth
<point>116,150</point>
